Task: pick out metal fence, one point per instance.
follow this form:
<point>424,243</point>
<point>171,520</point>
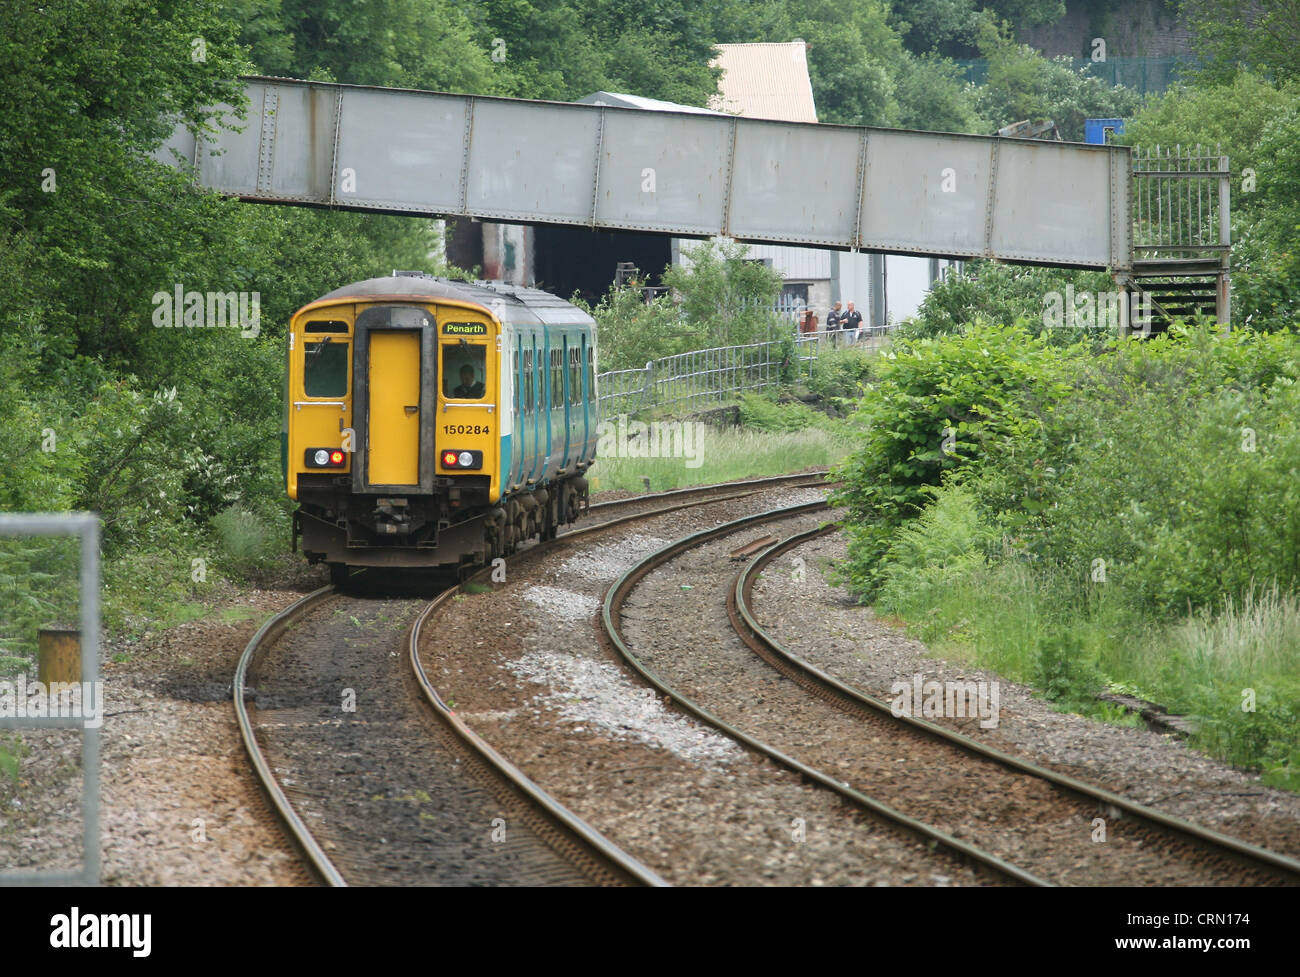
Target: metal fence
<point>691,381</point>
<point>84,525</point>
<point>1153,73</point>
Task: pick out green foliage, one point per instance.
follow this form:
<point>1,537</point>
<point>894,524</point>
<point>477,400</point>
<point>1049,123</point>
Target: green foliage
<point>1232,116</point>
<point>841,375</point>
<point>991,292</point>
<point>726,298</point>
<point>932,94</point>
<point>1183,477</point>
<point>950,26</point>
<point>1064,673</point>
<point>39,579</point>
<point>1256,123</point>
<point>947,541</point>
<point>1254,35</point>
<point>246,539</point>
<point>723,455</point>
<point>398,43</point>
<point>1141,531</point>
<point>633,331</point>
<point>937,406</point>
<point>863,75</point>
<point>1022,84</point>
<point>656,48</point>
<point>12,751</point>
<point>720,299</point>
<point>761,413</point>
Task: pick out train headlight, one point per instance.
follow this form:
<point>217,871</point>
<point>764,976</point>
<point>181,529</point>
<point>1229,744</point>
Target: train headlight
<point>461,460</point>
<point>324,458</point>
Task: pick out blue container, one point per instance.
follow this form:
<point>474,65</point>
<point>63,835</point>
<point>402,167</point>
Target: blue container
<point>1100,131</point>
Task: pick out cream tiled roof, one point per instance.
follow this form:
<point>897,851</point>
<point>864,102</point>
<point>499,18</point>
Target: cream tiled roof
<point>765,81</point>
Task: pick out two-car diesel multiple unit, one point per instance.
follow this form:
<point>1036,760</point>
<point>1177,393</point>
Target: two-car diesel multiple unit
<point>435,423</point>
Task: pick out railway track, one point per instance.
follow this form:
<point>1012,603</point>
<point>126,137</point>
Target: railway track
<point>308,754</point>
<point>954,786</point>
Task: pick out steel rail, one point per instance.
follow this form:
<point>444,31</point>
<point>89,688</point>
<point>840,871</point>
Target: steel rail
<point>300,835</point>
<point>611,618</point>
<point>299,832</point>
<point>577,830</point>
<point>807,674</point>
<point>771,481</point>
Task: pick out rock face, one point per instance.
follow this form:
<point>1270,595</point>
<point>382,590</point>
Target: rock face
<point>1142,28</point>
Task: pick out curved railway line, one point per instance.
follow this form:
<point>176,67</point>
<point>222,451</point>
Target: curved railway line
<point>1008,819</point>
<point>288,756</point>
<point>1155,846</point>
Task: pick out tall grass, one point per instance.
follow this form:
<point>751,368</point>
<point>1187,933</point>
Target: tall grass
<point>722,455</point>
<point>1235,669</point>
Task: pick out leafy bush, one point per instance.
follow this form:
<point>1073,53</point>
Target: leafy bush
<point>840,375</point>
<point>937,406</point>
<point>989,292</point>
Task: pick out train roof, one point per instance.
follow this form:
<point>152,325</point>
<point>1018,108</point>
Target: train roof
<point>509,303</point>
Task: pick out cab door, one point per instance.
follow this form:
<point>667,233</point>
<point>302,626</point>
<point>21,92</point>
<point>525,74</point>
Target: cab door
<point>393,399</point>
<point>394,421</point>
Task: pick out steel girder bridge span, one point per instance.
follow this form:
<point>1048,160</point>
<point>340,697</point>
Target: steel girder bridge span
<point>939,195</point>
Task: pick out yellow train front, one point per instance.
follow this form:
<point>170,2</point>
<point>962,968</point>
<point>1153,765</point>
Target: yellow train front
<point>435,423</point>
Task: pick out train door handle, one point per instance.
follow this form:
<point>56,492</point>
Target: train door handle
<point>411,409</point>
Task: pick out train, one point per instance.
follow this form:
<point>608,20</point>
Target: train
<point>435,423</point>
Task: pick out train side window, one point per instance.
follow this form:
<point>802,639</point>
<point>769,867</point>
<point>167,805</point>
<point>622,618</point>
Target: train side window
<point>591,373</point>
<point>575,375</point>
<point>557,383</point>
<point>528,381</point>
<point>464,371</point>
<point>325,368</point>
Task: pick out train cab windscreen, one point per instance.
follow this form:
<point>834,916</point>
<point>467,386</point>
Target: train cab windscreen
<point>325,368</point>
<point>464,371</point>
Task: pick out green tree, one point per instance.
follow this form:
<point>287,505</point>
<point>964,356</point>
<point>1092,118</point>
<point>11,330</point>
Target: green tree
<point>398,43</point>
<point>1022,84</point>
<point>725,297</point>
<point>1255,35</point>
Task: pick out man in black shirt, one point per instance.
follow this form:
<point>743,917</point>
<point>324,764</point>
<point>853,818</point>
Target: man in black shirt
<point>468,388</point>
<point>833,319</point>
<point>852,322</point>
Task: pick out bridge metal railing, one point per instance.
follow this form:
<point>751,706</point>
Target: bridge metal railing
<point>1181,202</point>
<point>694,380</point>
<point>1182,229</point>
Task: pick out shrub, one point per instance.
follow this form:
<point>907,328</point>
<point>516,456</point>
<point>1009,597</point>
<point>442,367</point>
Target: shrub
<point>246,539</point>
<point>937,407</point>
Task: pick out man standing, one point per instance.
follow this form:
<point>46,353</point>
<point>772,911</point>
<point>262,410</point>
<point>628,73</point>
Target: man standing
<point>852,322</point>
<point>833,320</point>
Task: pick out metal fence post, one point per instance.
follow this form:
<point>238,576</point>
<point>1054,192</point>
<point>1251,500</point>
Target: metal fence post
<point>84,525</point>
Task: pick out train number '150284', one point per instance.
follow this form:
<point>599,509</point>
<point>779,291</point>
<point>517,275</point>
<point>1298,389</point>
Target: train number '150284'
<point>466,429</point>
